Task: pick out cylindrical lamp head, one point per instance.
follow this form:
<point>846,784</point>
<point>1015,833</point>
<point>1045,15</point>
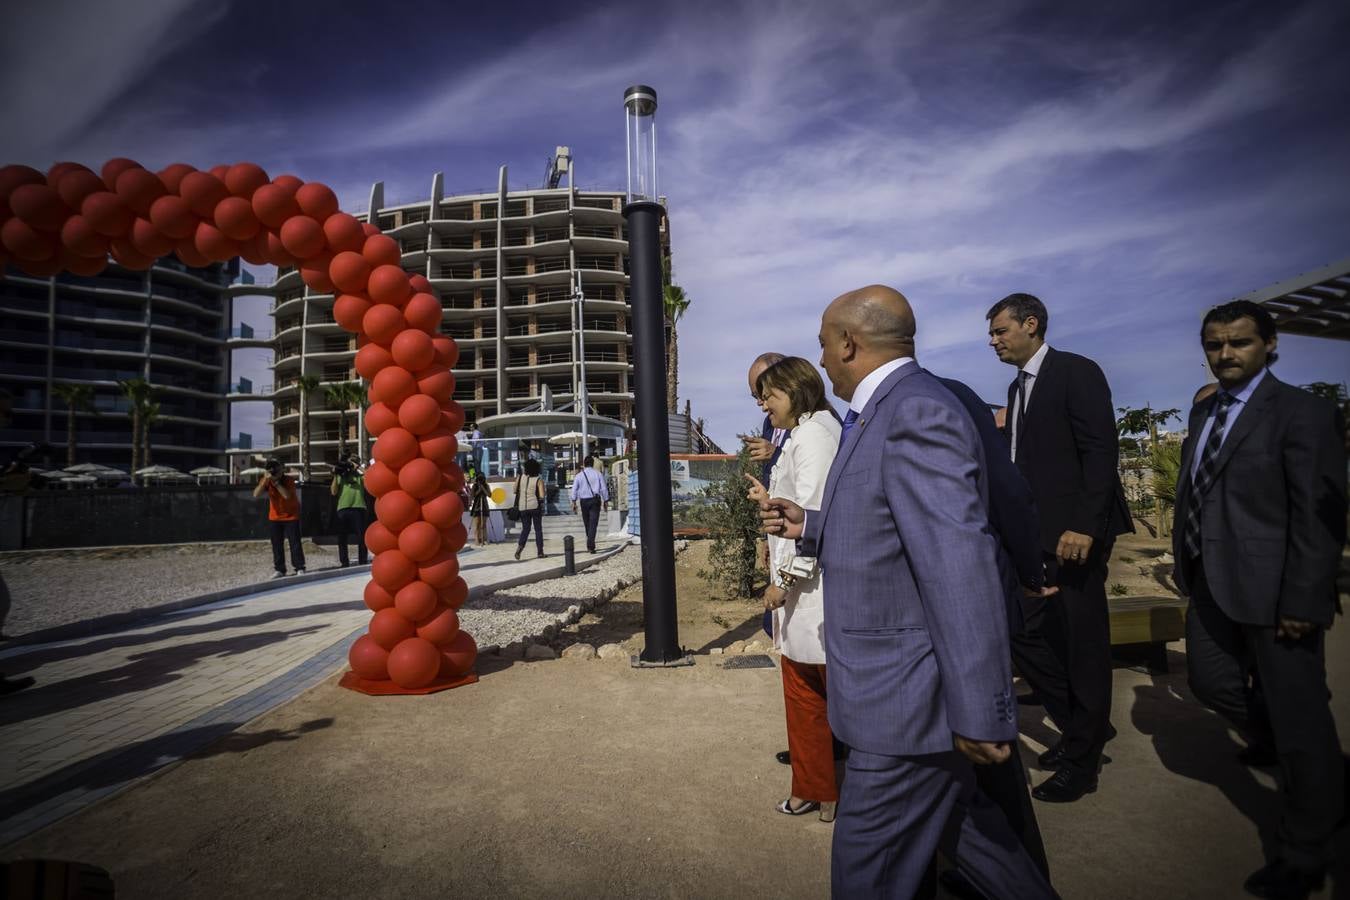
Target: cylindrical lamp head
<point>639,105</point>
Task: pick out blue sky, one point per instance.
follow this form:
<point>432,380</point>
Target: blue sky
<point>1131,165</point>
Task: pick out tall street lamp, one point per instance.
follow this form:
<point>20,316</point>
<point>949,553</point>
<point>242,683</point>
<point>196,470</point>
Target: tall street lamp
<point>644,213</point>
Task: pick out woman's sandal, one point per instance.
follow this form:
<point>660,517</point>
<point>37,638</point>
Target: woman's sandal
<point>786,808</point>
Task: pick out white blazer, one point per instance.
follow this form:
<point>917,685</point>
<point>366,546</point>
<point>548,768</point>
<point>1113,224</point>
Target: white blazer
<point>799,476</point>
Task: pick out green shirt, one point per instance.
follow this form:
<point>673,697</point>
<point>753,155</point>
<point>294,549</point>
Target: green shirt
<point>350,493</point>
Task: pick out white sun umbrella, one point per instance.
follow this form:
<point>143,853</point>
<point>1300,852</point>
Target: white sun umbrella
<point>158,472</point>
<point>253,472</point>
<point>78,480</point>
<point>567,437</point>
<point>88,469</point>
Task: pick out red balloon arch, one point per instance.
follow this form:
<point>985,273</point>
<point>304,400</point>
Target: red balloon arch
<point>72,219</point>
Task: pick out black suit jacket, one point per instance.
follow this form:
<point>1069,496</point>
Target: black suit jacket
<point>1068,451</point>
<point>1012,509</point>
<point>1273,520</point>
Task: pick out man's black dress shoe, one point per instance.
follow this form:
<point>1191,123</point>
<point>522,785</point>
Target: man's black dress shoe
<point>784,757</point>
<point>1052,758</point>
<point>1065,786</point>
<point>14,685</point>
<point>1281,881</point>
<point>1258,756</point>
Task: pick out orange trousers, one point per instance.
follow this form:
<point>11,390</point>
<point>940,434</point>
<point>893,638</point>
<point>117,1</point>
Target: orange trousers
<point>808,731</point>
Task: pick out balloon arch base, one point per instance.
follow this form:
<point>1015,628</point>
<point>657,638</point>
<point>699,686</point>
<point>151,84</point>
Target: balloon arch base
<point>353,682</point>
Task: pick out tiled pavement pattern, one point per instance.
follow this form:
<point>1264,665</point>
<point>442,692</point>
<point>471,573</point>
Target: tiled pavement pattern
<point>110,708</point>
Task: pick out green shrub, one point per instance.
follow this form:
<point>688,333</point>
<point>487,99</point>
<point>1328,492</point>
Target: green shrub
<point>733,525</point>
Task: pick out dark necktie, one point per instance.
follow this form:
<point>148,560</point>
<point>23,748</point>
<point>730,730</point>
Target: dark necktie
<point>850,419</point>
<point>1204,473</point>
<point>1019,406</point>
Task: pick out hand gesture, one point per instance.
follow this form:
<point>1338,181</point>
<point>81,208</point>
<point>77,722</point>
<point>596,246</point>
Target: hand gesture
<point>1293,629</point>
<point>761,449</point>
<point>757,492</point>
<point>774,597</point>
<point>982,753</point>
<point>1073,548</point>
<point>781,517</point>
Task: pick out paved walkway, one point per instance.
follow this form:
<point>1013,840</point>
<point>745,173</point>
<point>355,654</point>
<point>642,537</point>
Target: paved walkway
<point>112,707</point>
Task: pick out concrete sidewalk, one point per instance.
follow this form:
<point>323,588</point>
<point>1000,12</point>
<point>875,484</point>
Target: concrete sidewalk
<point>171,683</point>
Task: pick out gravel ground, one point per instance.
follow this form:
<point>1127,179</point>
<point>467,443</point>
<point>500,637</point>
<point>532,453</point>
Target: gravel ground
<point>50,589</point>
<point>518,614</point>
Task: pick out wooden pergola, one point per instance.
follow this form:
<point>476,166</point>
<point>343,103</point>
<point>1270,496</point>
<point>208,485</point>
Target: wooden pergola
<point>1315,304</point>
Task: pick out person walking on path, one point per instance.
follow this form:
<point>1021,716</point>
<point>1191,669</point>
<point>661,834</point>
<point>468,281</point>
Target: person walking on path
<point>350,491</point>
<point>479,495</point>
<point>916,632</point>
<point>283,517</point>
<point>530,503</point>
<point>792,391</point>
<point>589,490</point>
<point>1063,437</point>
<point>1258,534</point>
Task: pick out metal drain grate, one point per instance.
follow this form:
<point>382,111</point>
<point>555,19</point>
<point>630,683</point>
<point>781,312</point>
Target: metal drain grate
<point>749,661</point>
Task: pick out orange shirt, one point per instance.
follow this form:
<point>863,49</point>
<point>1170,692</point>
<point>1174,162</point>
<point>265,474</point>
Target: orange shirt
<point>279,509</point>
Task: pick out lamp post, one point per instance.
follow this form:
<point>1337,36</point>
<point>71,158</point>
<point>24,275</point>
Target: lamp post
<point>582,397</point>
<point>643,213</point>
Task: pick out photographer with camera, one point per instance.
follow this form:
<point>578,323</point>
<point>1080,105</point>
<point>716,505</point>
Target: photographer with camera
<point>283,515</point>
<point>350,492</point>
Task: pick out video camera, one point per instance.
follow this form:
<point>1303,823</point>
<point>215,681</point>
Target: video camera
<point>274,467</point>
<point>344,467</point>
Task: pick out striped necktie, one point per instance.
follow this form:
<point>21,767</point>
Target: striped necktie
<point>1204,473</point>
<point>850,419</point>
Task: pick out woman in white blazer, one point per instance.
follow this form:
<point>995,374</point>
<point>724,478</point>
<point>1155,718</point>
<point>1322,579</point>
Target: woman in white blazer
<point>794,395</point>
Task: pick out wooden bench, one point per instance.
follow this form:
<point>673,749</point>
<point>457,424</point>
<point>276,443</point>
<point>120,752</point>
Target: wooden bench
<point>1147,624</point>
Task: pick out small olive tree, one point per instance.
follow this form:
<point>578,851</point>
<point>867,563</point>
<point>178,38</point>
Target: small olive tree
<point>733,525</point>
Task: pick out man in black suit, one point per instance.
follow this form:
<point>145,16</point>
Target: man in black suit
<point>1063,433</point>
<point>1260,525</point>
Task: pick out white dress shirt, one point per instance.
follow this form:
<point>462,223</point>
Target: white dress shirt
<point>589,483</point>
<point>1032,368</point>
<point>872,380</point>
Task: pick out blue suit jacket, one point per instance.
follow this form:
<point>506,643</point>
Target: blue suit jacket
<point>916,633</point>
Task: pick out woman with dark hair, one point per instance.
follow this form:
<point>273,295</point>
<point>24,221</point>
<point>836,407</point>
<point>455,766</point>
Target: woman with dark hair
<point>478,507</point>
<point>530,502</point>
<point>792,392</point>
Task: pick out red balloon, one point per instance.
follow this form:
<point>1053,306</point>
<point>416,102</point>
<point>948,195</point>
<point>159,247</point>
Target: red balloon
<point>395,447</point>
<point>85,265</point>
<point>40,206</point>
<point>59,170</point>
<point>423,311</point>
<point>455,593</point>
<point>397,510</point>
<point>458,658</point>
<point>455,539</point>
<point>186,250</point>
<point>447,351</point>
<point>277,254</point>
<point>254,249</point>
<point>371,358</point>
<point>439,445</point>
<point>107,214</point>
<point>419,542</point>
<point>381,250</point>
<point>439,571</point>
<point>15,176</point>
<point>387,627</point>
<point>302,237</point>
<point>376,597</point>
<point>452,478</point>
<point>113,168</point>
<point>419,414</point>
<point>444,511</point>
<point>416,600</point>
<point>234,217</point>
<point>317,200</point>
<point>138,189</point>
<point>80,238</point>
<point>389,284</point>
<point>317,277</point>
<point>380,418</point>
<point>77,184</point>
<point>45,268</point>
<point>392,569</point>
<point>30,245</point>
<point>220,171</point>
<point>413,350</point>
<point>212,243</point>
<point>349,308</point>
<point>383,323</point>
<point>273,204</point>
<point>202,191</point>
<point>414,663</point>
<point>438,383</point>
<point>380,539</point>
<point>419,477</point>
<point>349,272</point>
<point>440,626</point>
<point>289,182</point>
<point>244,178</point>
<point>392,385</point>
<point>368,659</point>
<point>380,480</point>
<point>344,232</point>
<point>148,239</point>
<point>173,176</point>
<point>173,217</point>
<point>126,253</point>
<point>453,415</point>
<point>419,283</point>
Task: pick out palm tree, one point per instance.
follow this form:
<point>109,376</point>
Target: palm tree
<point>307,385</point>
<point>77,398</point>
<point>343,397</point>
<point>149,416</point>
<point>138,393</point>
<point>674,303</point>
